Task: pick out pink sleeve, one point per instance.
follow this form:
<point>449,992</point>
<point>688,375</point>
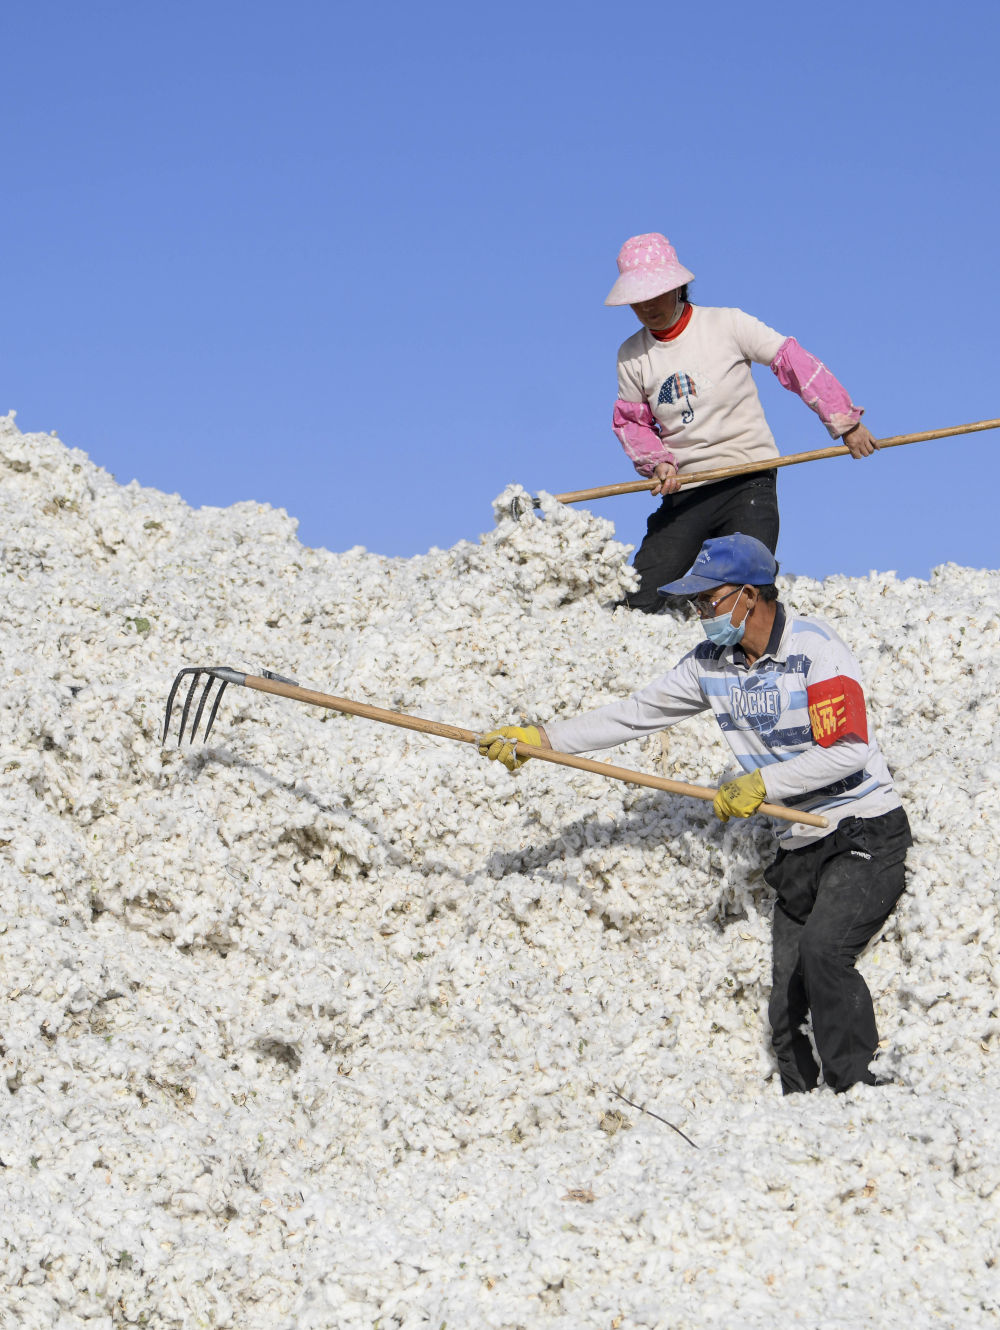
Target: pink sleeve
<point>633,423</point>
<point>800,372</point>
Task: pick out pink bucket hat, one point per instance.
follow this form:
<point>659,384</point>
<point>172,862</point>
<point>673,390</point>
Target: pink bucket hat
<point>648,266</point>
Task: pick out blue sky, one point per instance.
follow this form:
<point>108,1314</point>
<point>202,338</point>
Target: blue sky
<point>351,260</point>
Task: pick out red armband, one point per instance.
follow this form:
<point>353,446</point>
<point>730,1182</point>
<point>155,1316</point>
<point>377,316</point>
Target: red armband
<point>837,710</point>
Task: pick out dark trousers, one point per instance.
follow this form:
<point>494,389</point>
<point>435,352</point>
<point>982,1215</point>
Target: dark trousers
<point>676,530</point>
<point>833,897</point>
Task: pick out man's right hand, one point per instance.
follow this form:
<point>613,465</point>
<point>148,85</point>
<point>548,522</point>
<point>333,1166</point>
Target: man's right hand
<point>501,745</point>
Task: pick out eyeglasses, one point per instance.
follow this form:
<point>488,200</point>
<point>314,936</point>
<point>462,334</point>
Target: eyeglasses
<point>705,609</point>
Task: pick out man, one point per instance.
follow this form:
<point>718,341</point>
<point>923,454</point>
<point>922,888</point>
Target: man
<point>787,694</point>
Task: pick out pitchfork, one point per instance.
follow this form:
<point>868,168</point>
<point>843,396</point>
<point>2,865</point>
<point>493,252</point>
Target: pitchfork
<point>269,682</point>
<point>522,504</point>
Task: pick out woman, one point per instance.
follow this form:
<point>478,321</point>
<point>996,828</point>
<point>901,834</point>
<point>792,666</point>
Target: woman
<point>687,403</point>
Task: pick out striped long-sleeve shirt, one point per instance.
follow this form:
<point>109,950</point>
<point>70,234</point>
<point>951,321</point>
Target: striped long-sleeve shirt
<point>797,714</point>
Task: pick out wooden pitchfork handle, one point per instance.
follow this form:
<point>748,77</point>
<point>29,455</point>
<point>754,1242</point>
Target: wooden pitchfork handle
<point>838,450</point>
<point>287,688</point>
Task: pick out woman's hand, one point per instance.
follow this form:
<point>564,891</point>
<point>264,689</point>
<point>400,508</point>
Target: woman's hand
<point>665,479</point>
<point>859,441</point>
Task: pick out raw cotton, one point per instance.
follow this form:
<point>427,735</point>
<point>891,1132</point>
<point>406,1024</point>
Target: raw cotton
<point>320,1025</point>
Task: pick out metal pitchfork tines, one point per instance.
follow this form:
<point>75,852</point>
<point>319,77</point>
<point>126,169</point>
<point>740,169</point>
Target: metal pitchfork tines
<point>522,504</point>
<point>221,673</point>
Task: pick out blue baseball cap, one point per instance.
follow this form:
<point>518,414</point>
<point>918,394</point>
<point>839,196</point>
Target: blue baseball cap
<point>738,559</point>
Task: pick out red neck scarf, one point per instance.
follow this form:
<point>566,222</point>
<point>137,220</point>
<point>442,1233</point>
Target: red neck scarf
<point>675,329</point>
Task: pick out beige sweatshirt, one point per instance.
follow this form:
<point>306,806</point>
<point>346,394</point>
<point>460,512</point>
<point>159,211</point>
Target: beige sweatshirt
<point>700,389</point>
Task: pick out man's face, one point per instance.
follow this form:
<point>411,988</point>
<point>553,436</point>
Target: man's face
<point>714,602</point>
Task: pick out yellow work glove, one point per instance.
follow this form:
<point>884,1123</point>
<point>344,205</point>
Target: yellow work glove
<point>499,745</point>
<point>739,797</point>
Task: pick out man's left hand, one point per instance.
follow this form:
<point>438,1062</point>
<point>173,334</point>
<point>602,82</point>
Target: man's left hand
<point>739,797</point>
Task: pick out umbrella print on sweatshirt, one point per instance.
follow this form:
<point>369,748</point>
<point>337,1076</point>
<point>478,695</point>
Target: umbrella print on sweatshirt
<point>677,387</point>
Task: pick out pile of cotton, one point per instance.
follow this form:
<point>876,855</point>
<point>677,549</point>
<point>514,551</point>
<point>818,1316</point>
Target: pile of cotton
<point>324,1023</point>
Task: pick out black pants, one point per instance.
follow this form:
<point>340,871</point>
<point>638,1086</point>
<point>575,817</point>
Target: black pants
<point>833,897</point>
<point>676,530</point>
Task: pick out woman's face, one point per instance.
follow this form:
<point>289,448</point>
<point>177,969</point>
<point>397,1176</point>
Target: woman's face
<point>658,313</point>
